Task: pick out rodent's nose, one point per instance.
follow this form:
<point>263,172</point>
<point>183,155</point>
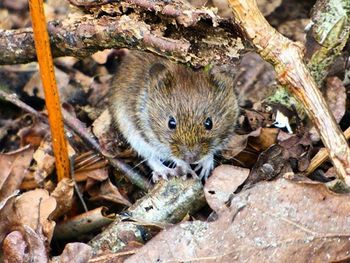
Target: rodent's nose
<point>191,156</point>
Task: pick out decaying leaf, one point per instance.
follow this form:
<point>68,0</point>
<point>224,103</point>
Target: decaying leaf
<point>14,166</point>
<point>270,164</point>
<point>75,252</point>
<point>237,144</point>
<point>63,193</point>
<point>273,221</point>
<point>14,248</point>
<point>108,191</point>
<point>24,224</point>
<point>223,182</point>
<point>33,209</point>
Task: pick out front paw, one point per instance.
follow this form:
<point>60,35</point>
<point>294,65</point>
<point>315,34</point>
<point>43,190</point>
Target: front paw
<point>163,173</point>
<point>183,169</point>
<point>206,165</point>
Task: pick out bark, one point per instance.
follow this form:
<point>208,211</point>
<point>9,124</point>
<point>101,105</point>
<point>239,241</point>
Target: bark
<point>173,29</point>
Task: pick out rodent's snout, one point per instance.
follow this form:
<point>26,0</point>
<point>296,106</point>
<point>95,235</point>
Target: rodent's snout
<point>188,154</point>
<point>190,157</point>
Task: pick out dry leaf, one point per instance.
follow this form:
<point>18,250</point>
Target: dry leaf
<point>108,191</point>
<point>64,195</point>
<point>266,138</point>
<point>14,167</point>
<point>336,97</point>
<point>15,248</point>
<point>237,144</point>
<point>75,252</point>
<point>224,180</point>
<point>33,209</point>
<point>34,86</point>
<point>36,243</point>
<point>34,133</point>
<point>271,222</point>
<point>45,161</point>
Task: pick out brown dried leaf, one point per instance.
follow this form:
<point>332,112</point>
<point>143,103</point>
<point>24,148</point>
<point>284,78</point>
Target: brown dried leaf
<point>33,209</point>
<point>75,252</point>
<point>14,167</point>
<point>36,243</point>
<point>237,144</point>
<point>266,138</point>
<point>108,191</point>
<point>45,161</point>
<point>102,130</point>
<point>270,164</point>
<point>298,148</point>
<point>224,180</point>
<point>14,248</point>
<point>63,193</point>
<point>34,133</point>
<point>271,222</point>
<point>258,119</point>
<point>336,97</point>
<point>34,86</point>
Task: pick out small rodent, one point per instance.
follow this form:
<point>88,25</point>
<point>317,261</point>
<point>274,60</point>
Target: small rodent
<point>169,112</point>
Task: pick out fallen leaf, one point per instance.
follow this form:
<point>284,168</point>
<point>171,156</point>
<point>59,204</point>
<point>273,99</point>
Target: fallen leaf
<point>237,144</point>
<point>34,86</point>
<point>108,191</point>
<point>224,180</point>
<point>266,138</point>
<point>336,97</point>
<point>75,252</point>
<point>64,195</point>
<point>34,133</point>
<point>33,209</point>
<point>45,161</point>
<point>15,248</point>
<point>14,166</point>
<point>36,243</point>
<point>270,164</point>
<point>273,221</point>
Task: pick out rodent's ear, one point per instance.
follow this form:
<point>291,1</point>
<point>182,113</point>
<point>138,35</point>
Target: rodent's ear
<point>222,80</point>
<point>159,74</point>
<point>156,69</point>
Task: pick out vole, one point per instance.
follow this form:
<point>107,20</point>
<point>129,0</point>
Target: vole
<point>169,112</point>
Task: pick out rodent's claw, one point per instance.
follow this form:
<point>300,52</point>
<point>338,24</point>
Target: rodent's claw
<point>183,169</point>
<point>163,173</point>
<point>207,165</point>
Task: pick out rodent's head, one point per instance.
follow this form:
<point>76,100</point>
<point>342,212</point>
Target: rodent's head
<point>191,113</point>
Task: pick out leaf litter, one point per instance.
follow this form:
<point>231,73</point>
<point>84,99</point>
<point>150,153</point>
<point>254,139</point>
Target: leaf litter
<point>259,207</point>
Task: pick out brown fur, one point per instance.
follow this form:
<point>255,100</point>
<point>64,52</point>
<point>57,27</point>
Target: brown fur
<point>152,89</point>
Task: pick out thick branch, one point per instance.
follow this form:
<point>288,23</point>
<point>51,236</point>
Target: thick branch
<point>287,57</point>
<point>193,39</point>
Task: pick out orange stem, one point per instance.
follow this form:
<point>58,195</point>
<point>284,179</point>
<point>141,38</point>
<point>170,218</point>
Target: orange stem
<point>42,46</point>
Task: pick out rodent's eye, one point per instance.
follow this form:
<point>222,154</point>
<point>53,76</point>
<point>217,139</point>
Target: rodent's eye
<point>208,124</point>
<point>172,123</point>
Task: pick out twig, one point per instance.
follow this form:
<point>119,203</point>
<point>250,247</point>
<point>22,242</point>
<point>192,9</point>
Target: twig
<point>82,132</point>
<point>322,156</point>
<point>287,58</point>
<point>42,45</point>
<point>77,190</point>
